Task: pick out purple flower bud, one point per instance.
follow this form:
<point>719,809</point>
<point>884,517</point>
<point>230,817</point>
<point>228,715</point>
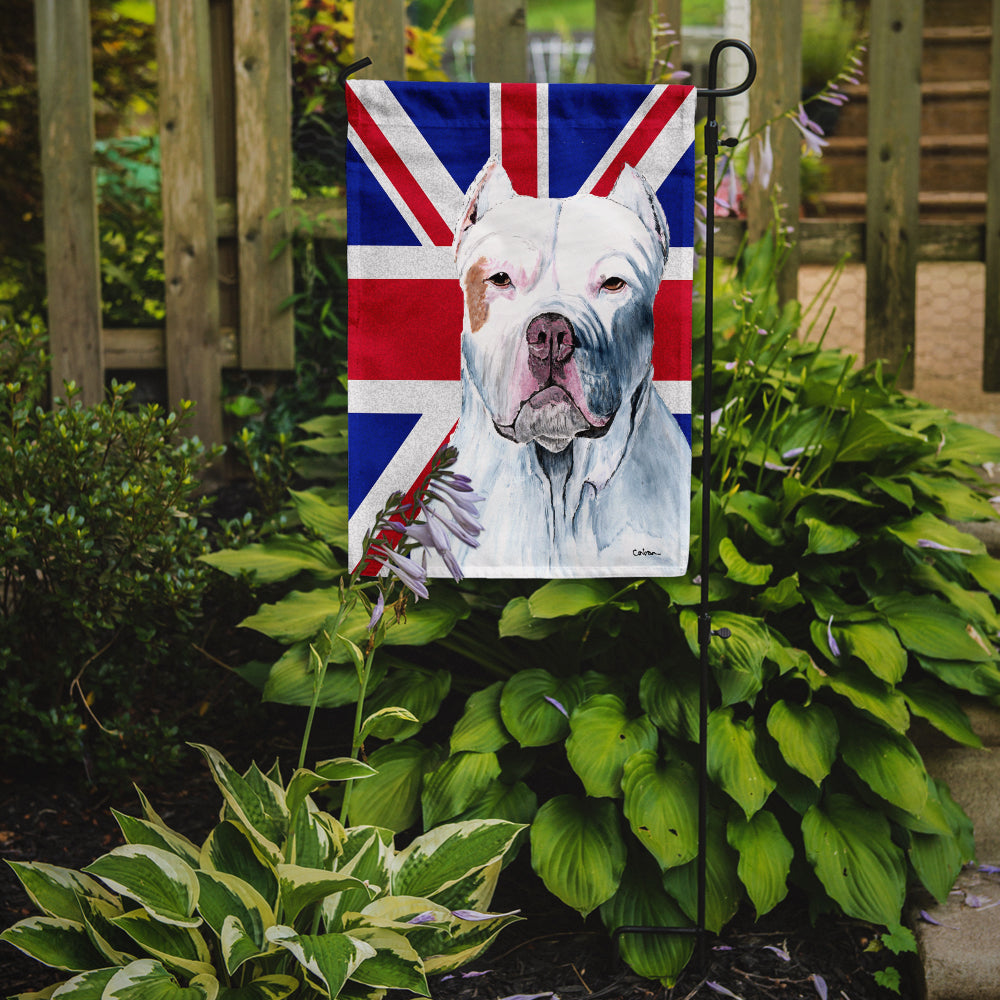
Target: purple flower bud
<point>475,915</point>
<point>409,573</point>
<point>927,543</point>
<point>558,705</point>
<point>820,983</point>
<point>377,612</point>
<point>427,917</point>
<point>834,648</point>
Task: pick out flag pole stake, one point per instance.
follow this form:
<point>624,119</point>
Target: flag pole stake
<point>705,630</point>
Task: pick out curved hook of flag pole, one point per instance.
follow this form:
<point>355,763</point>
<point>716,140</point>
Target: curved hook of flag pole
<point>346,71</point>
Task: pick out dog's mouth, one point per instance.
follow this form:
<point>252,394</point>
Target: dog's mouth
<point>551,418</point>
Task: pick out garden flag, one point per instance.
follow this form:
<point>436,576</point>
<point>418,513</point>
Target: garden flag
<point>520,263</point>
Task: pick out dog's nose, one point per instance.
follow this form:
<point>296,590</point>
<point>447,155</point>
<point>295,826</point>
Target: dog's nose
<point>550,337</point>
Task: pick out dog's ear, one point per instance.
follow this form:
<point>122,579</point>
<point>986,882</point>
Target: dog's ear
<point>632,191</point>
<point>491,186</point>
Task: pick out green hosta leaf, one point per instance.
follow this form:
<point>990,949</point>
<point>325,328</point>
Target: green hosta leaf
<point>752,574</point>
<point>931,628</point>
<point>941,709</point>
<point>279,558</point>
<point>438,859</point>
<point>54,941</point>
<point>965,443</point>
<point>147,979</point>
<point>517,620</point>
<point>275,987</point>
<point>876,646</point>
<point>141,831</point>
<point>56,891</point>
<point>578,851</point>
<point>957,501</point>
<point>807,736</point>
<point>671,700</point>
<point>328,521</point>
<point>159,881</point>
<point>530,706</point>
<point>850,847</point>
<point>516,803</point>
<point>456,784</point>
<point>415,689</point>
<point>180,948</point>
<point>292,681</point>
<point>395,964</point>
<point>225,897</point>
<point>870,435</point>
<point>827,539</point>
<point>391,798</point>
<point>602,738</point>
<point>893,488</point>
<point>928,528</point>
<point>260,809</point>
<point>481,728</point>
<point>558,598</point>
<point>732,760</point>
<point>937,860</point>
<point>866,692</point>
<point>758,511</point>
<point>330,959</point>
<point>738,661</point>
<point>723,889</point>
<point>683,592</point>
<point>301,887</point>
<point>304,782</point>
<point>888,763</point>
<point>986,572</point>
<point>386,723</point>
<point>641,901</point>
<point>765,858</point>
<point>661,800</point>
<point>976,678</point>
<point>230,849</point>
<point>783,595</point>
<point>976,605</point>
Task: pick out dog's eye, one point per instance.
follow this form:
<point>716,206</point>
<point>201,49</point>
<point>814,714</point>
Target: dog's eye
<point>614,284</point>
<point>501,279</point>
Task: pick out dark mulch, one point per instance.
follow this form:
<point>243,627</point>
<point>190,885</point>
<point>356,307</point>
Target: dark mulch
<point>551,951</point>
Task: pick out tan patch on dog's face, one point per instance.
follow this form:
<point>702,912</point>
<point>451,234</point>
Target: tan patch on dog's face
<point>476,302</point>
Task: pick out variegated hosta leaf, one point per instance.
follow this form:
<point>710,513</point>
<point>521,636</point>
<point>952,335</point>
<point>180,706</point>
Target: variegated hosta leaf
<point>224,897</point>
<point>86,986</point>
<point>807,736</point>
<point>535,706</point>
<point>723,889</point>
<point>466,941</point>
<point>116,946</point>
<point>315,838</point>
<point>141,831</point>
<point>441,857</point>
<point>732,760</point>
<point>481,727</point>
<point>274,987</point>
<point>456,784</point>
<point>850,847</point>
<point>158,880</point>
<point>475,891</point>
<point>367,854</point>
<point>888,763</point>
<point>238,945</point>
<point>147,979</point>
<point>661,799</point>
<point>395,964</point>
<point>578,851</point>
<point>56,891</point>
<point>256,801</point>
<point>230,849</point>
<point>177,947</point>
<point>304,782</point>
<point>300,887</point>
<point>329,959</point>
<point>54,941</point>
<point>765,858</point>
<point>602,737</point>
<point>642,902</point>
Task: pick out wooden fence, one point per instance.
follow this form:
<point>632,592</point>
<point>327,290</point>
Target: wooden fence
<point>226,161</point>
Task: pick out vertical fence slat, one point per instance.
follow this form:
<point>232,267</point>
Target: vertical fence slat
<point>991,333</point>
<point>380,34</point>
<point>501,41</point>
<point>190,253</point>
<point>72,257</point>
<point>893,183</point>
<point>261,56</point>
<point>776,35</point>
<point>621,40</point>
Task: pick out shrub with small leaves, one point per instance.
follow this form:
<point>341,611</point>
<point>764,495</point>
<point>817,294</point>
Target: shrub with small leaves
<point>100,579</point>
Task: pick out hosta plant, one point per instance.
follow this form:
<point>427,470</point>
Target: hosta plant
<point>855,605</point>
<point>279,900</point>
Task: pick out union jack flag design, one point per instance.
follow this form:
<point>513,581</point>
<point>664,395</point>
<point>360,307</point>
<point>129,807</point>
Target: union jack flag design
<point>413,151</point>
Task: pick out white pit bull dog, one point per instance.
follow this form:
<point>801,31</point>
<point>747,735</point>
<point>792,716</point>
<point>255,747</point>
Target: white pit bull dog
<point>584,468</point>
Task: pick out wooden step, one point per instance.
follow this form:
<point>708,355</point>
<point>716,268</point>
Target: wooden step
<point>945,105</point>
<point>957,206</point>
<point>956,53</point>
<point>947,162</point>
<point>940,13</point>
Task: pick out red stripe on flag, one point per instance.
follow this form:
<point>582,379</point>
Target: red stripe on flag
<point>642,138</point>
<point>519,136</point>
<point>672,340</point>
<point>398,173</point>
<point>404,328</point>
<point>371,567</point>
